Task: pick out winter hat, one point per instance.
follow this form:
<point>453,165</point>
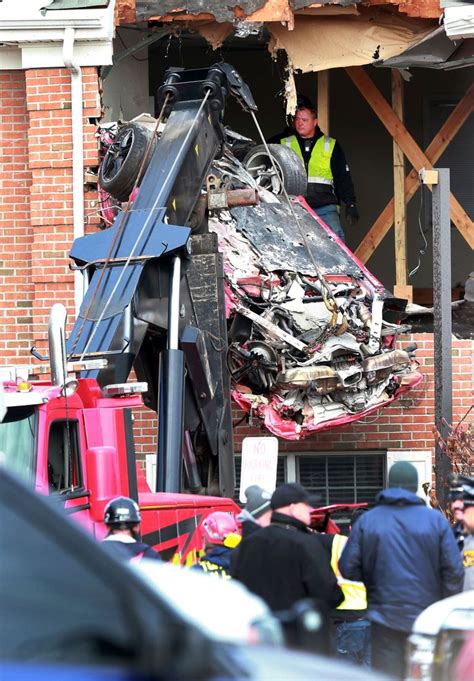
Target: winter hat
<point>293,493</point>
<point>258,500</point>
<point>403,474</point>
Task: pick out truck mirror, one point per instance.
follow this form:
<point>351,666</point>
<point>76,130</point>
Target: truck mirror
<point>102,478</point>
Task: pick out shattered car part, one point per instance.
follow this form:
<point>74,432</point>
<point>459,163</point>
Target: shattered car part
<point>311,331</point>
<point>272,329</point>
<point>216,193</point>
<point>313,349</point>
<point>321,379</point>
<point>377,368</point>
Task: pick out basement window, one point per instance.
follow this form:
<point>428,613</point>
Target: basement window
<point>341,478</point>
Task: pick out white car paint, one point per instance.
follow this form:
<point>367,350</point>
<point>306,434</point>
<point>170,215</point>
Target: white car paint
<point>431,620</point>
<point>224,609</point>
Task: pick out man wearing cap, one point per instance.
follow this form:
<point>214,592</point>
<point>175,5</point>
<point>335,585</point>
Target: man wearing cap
<point>329,178</point>
<point>256,512</point>
<point>407,557</point>
<point>286,562</point>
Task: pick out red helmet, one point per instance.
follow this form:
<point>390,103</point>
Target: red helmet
<point>220,528</point>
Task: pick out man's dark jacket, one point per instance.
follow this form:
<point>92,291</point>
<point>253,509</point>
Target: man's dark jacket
<point>285,562</point>
<point>406,555</point>
<point>130,551</point>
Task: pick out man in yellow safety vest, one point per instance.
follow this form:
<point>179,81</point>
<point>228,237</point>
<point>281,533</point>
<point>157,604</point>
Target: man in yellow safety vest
<point>352,629</point>
<point>329,178</point>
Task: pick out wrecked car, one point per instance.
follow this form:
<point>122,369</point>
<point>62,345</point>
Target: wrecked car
<point>312,334</point>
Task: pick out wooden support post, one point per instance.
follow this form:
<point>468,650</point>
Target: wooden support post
<point>323,101</point>
<point>400,289</point>
<point>438,145</point>
<point>410,148</point>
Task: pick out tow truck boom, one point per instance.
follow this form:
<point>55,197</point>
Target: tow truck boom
<point>155,295</point>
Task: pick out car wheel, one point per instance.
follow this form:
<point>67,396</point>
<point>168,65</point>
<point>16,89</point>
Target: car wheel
<point>289,171</point>
<point>121,164</point>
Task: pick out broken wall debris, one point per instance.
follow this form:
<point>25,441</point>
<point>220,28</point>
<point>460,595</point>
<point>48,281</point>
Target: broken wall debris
<point>317,44</point>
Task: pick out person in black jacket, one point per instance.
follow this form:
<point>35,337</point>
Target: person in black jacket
<point>406,555</point>
<point>122,518</point>
<point>287,562</point>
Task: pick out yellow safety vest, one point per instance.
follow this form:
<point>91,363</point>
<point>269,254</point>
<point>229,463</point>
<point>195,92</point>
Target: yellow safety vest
<point>355,595</point>
<point>319,166</point>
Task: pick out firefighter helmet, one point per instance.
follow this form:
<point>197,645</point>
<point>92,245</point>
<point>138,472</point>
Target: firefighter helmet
<point>221,529</point>
<point>122,512</point>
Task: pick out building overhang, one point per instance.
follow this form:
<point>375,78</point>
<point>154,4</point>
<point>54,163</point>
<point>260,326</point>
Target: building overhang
<point>34,38</point>
<point>434,51</point>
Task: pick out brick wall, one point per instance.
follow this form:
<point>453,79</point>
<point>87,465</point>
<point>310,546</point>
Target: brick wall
<point>15,227</point>
<point>405,424</point>
<point>50,158</point>
<point>36,223</point>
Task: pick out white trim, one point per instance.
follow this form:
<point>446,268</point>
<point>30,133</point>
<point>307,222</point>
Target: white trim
<point>40,38</point>
<point>10,58</point>
<point>291,467</point>
<point>47,24</point>
<point>459,22</point>
<point>150,470</point>
<point>422,459</point>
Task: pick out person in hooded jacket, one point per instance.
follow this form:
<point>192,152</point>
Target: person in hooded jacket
<point>406,555</point>
<point>220,536</point>
<point>257,512</point>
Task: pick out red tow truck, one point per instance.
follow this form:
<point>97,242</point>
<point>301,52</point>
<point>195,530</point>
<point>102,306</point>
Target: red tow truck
<point>74,442</point>
<point>154,304</point>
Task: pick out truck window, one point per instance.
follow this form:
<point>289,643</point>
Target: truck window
<point>64,464</point>
<point>17,442</point>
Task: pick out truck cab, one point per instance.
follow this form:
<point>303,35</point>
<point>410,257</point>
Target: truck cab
<point>74,443</point>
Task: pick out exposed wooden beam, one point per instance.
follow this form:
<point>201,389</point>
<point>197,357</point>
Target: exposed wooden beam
<point>323,101</point>
<point>400,220</point>
<point>410,148</point>
<point>436,148</point>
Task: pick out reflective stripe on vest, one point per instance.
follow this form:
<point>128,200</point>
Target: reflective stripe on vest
<point>213,569</point>
<point>319,166</point>
<point>355,595</point>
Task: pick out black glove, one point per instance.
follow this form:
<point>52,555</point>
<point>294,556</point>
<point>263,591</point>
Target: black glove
<point>352,214</point>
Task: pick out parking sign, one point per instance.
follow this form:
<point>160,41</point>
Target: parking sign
<point>259,464</point>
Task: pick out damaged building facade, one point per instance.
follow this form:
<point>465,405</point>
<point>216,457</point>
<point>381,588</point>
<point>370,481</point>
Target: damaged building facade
<point>389,82</point>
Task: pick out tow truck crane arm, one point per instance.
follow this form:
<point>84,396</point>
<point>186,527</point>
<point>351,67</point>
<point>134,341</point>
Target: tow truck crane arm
<point>156,296</point>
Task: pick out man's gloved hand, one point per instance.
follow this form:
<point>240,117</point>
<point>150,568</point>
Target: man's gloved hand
<point>352,214</point>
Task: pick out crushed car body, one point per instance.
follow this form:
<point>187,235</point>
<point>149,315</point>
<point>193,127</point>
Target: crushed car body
<point>312,333</point>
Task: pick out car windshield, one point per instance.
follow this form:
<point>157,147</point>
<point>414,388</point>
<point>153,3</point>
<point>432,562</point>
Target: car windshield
<point>17,442</point>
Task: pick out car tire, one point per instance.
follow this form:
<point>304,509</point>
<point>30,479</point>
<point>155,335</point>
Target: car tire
<point>122,161</point>
<point>291,172</point>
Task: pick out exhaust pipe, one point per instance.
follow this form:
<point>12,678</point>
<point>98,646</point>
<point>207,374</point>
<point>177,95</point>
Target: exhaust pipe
<point>57,343</point>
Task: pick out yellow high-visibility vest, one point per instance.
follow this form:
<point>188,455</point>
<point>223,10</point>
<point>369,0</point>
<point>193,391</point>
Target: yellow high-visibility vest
<point>319,166</point>
<point>355,595</point>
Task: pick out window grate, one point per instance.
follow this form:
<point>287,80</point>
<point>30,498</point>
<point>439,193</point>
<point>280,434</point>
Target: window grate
<point>343,479</point>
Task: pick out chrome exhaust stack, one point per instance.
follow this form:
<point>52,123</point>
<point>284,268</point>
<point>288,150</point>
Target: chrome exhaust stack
<point>57,344</point>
